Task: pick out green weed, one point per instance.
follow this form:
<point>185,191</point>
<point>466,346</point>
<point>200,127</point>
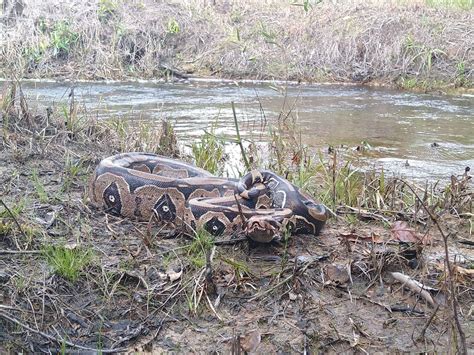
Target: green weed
<point>341,182</point>
<point>39,187</point>
<point>15,209</point>
<point>6,227</point>
<point>422,54</point>
<point>461,72</point>
<point>240,268</point>
<point>73,169</point>
<point>268,35</point>
<point>173,26</point>
<point>202,243</point>
<point>62,39</point>
<point>168,143</point>
<point>20,282</point>
<point>208,153</point>
<point>68,262</point>
<point>306,4</point>
<point>35,54</point>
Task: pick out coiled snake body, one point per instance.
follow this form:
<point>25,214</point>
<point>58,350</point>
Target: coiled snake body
<point>261,204</point>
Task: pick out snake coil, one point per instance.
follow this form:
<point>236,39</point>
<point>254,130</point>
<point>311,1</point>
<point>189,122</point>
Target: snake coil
<point>261,204</point>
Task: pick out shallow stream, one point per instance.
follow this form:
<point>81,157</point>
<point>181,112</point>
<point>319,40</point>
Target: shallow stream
<point>416,135</point>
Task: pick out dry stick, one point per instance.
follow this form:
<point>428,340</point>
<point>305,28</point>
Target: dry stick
<point>3,251</point>
<point>15,220</point>
<point>415,286</point>
<point>454,302</point>
<point>56,340</point>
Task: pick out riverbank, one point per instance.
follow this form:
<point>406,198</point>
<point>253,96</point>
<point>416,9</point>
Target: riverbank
<point>76,279</point>
<point>411,45</point>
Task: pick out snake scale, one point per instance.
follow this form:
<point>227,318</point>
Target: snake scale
<point>261,204</point>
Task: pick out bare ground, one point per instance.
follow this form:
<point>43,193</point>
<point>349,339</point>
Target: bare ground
<point>146,290</point>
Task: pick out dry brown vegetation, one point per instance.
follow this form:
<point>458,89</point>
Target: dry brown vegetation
<point>411,44</point>
<point>74,279</point>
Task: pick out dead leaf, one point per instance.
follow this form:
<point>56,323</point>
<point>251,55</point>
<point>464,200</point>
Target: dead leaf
<point>250,341</point>
<point>402,232</point>
<point>336,274</point>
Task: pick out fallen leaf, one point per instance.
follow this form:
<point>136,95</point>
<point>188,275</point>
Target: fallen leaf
<point>250,341</point>
<point>336,274</point>
<point>402,232</point>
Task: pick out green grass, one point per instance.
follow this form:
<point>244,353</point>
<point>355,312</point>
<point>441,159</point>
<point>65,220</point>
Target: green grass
<point>15,209</point>
<point>73,169</point>
<point>107,9</point>
<point>208,152</point>
<point>173,26</point>
<point>202,243</point>
<point>241,269</point>
<point>39,188</point>
<point>342,184</point>
<point>68,262</point>
<point>62,38</point>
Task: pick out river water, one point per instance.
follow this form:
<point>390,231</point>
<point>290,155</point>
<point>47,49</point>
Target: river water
<point>400,127</point>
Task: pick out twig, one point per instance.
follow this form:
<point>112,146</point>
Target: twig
<point>59,340</point>
<point>5,251</point>
<point>230,241</point>
<point>423,331</point>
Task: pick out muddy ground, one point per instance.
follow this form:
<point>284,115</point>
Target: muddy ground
<point>150,289</point>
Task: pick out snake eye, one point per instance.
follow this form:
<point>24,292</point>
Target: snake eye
<point>165,209</point>
<point>112,198</point>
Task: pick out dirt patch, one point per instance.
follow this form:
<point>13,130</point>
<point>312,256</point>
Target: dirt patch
<point>146,289</point>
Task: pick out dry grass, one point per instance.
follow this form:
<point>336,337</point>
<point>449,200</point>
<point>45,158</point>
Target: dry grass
<point>412,44</point>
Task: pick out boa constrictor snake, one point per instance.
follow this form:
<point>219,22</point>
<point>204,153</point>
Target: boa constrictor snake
<point>261,204</point>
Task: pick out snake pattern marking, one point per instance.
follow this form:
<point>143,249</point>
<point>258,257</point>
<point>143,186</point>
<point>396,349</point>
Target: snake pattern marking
<point>261,204</point>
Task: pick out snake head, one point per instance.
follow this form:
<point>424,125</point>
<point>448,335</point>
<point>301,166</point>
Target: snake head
<point>263,229</point>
